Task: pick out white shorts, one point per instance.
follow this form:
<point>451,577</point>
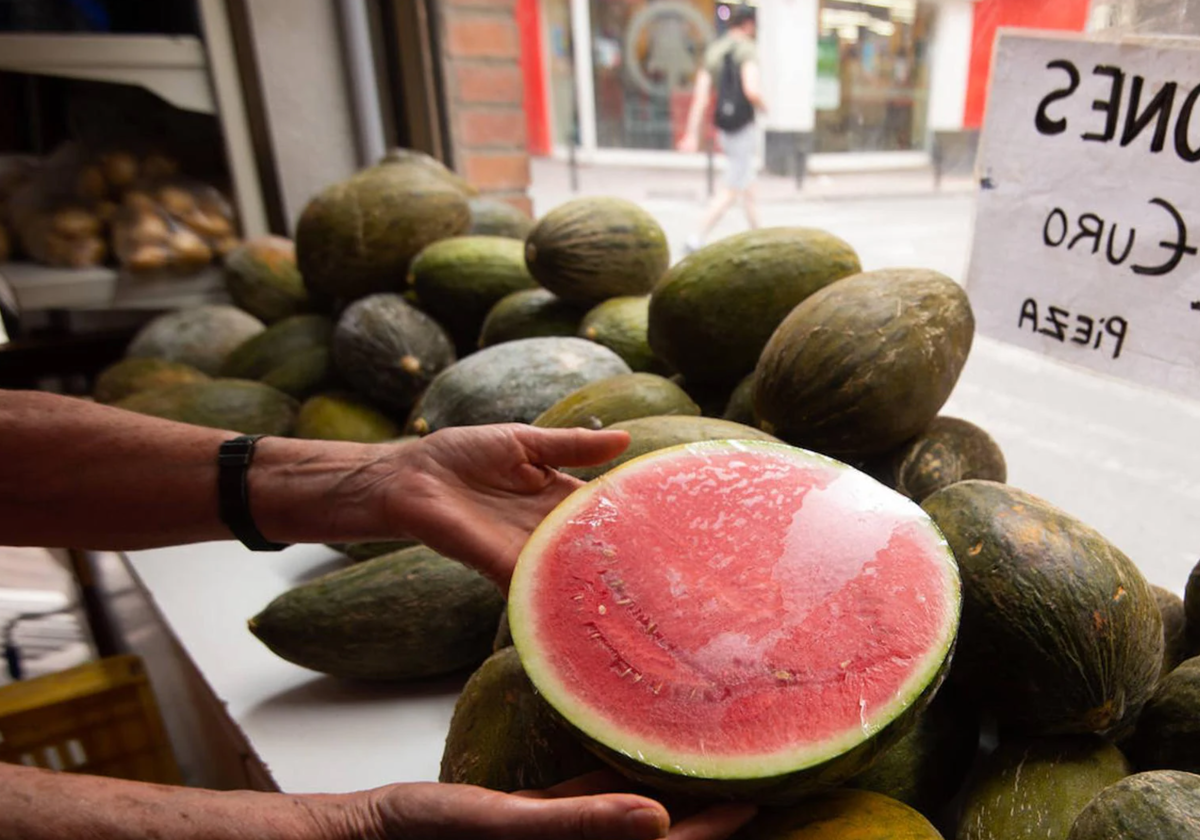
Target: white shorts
<point>739,149</point>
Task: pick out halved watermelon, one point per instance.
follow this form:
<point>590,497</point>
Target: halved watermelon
<point>740,619</point>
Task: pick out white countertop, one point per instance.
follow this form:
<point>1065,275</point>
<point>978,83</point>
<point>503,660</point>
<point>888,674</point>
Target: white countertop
<point>1121,458</point>
<point>314,733</point>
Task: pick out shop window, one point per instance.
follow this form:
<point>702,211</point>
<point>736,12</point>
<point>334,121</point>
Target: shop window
<point>873,75</point>
<point>645,54</point>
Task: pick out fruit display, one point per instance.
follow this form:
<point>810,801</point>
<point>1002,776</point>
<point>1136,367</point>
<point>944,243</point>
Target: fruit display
<point>801,584</point>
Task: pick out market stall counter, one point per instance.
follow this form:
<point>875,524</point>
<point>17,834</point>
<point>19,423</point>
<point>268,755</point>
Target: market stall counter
<point>312,732</point>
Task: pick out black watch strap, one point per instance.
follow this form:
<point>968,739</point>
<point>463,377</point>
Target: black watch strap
<point>233,463</point>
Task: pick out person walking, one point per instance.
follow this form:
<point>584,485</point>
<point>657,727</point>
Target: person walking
<point>730,70</point>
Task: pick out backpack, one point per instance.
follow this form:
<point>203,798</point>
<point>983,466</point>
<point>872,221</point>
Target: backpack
<point>733,110</point>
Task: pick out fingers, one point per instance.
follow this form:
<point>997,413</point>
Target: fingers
<point>715,823</point>
<point>415,812</point>
<point>571,447</point>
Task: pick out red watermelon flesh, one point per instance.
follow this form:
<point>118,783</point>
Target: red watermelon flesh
<point>735,611</point>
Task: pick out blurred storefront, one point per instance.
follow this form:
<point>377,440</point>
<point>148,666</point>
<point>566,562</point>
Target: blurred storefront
<point>861,84</point>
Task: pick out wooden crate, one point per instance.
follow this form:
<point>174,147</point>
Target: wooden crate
<point>99,718</point>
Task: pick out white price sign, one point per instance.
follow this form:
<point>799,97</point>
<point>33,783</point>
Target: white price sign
<point>1088,214</point>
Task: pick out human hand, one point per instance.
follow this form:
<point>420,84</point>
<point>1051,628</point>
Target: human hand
<point>586,808</point>
<point>689,142</point>
<point>475,493</point>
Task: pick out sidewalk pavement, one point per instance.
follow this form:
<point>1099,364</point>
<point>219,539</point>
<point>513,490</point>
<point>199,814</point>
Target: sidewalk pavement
<point>552,184</point>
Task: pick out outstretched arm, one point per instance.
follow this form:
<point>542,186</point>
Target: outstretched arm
<point>90,476</point>
<point>41,805</point>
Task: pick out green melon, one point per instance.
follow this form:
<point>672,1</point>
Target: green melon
<point>277,345</point>
<point>504,737</point>
<point>620,325</point>
<point>1170,607</point>
<point>594,248</point>
<point>357,236</point>
<point>261,277</point>
<point>648,434</point>
<point>389,350</point>
<point>740,406</point>
<point>623,397</point>
<point>200,336</point>
<point>512,382</point>
<point>403,616</point>
<point>532,313</point>
<point>712,313</point>
<point>342,416</point>
<point>736,619</point>
<point>1168,731</point>
<point>459,280</point>
<point>251,408</point>
<point>1034,789</point>
<point>128,376</point>
<point>948,450</point>
<point>304,374</point>
<point>841,815</point>
<point>1060,633</point>
<point>865,363</point>
<point>494,217</point>
<point>1159,804</point>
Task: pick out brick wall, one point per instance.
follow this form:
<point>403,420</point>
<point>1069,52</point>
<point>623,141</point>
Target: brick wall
<point>484,92</point>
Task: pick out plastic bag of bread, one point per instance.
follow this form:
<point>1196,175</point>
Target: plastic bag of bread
<point>57,212</point>
<point>150,232</point>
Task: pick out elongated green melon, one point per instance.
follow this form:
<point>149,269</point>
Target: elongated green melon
<point>401,616</point>
<point>736,619</point>
<point>865,363</point>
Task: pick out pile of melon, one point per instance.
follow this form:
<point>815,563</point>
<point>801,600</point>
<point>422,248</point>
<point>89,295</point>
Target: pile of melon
<point>801,585</point>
